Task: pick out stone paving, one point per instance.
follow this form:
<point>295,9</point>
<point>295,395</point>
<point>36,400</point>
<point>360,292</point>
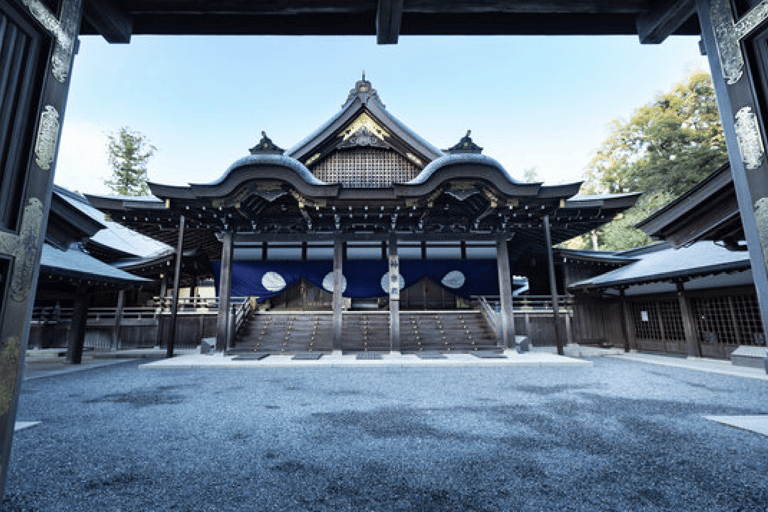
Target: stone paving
<point>616,434</point>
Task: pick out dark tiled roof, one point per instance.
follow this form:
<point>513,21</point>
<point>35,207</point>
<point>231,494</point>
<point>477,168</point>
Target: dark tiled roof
<point>660,262</point>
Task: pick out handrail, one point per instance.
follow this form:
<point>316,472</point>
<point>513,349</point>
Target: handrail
<point>490,314</point>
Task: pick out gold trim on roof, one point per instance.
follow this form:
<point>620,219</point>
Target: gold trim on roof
<point>364,121</point>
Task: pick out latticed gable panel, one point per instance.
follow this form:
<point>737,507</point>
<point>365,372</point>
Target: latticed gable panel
<point>365,167</point>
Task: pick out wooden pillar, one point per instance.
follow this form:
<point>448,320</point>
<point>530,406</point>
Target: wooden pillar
<point>630,342</point>
<point>225,290</point>
<point>338,290</point>
<point>163,289</point>
<point>731,41</point>
<point>77,326</point>
<point>176,287</point>
<point>118,320</point>
<point>160,319</point>
<point>41,43</point>
<point>505,293</point>
<point>689,326</point>
<point>394,295</point>
<point>553,286</point>
<point>623,318</point>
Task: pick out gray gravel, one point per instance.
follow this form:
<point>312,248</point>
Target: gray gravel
<point>615,436</point>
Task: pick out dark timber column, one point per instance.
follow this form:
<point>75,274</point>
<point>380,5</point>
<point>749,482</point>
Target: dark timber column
<point>553,286</point>
<point>742,96</point>
<point>691,340</point>
<point>623,318</point>
<point>394,296</point>
<point>225,290</point>
<point>176,285</point>
<point>37,46</point>
<point>77,325</point>
<point>338,290</point>
<point>118,319</point>
<point>505,293</point>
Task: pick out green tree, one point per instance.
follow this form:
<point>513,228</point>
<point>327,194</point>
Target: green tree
<point>129,152</point>
<point>667,147</point>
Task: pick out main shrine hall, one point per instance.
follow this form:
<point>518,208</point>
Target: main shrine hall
<point>364,236</point>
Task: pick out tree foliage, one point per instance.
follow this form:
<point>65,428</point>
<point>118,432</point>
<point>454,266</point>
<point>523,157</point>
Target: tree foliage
<point>668,146</point>
<point>129,151</point>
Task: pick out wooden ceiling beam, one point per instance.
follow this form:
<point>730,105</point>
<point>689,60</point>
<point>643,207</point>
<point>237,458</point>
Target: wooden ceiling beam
<point>113,23</point>
<point>663,20</point>
<point>389,14</point>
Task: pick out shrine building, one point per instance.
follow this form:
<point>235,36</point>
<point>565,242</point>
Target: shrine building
<point>364,236</point>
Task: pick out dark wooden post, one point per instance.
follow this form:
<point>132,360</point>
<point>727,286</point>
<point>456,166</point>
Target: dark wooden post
<point>623,318</point>
<point>505,293</point>
<point>225,290</point>
<point>41,43</point>
<point>689,326</point>
<point>732,41</point>
<point>160,309</point>
<point>77,325</point>
<point>176,286</point>
<point>394,295</point>
<point>631,341</point>
<point>338,290</point>
<point>118,320</point>
<point>553,286</point>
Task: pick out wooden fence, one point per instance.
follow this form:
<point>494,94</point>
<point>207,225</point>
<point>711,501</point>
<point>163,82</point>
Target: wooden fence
<point>135,327</point>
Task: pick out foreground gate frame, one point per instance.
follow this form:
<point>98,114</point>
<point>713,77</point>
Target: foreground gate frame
<point>726,38</point>
<point>40,104</point>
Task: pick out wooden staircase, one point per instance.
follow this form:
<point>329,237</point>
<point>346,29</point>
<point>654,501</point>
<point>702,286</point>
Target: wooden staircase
<point>286,333</point>
<point>298,332</point>
<point>445,331</point>
<point>365,332</point>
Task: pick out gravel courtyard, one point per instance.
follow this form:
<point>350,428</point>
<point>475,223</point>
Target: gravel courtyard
<point>618,436</point>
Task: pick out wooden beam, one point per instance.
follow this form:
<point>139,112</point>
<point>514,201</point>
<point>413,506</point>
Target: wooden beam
<point>225,290</point>
<point>389,13</point>
<point>394,295</point>
<point>553,287</point>
<point>506,315</point>
<point>338,289</point>
<point>109,20</point>
<point>77,326</point>
<point>663,20</point>
<point>176,288</point>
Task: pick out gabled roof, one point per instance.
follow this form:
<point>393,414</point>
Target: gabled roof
<point>112,241</point>
<point>709,211</point>
<point>76,264</point>
<point>364,110</point>
<point>660,262</point>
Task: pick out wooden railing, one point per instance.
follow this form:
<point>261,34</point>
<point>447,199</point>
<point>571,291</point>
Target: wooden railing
<point>139,326</point>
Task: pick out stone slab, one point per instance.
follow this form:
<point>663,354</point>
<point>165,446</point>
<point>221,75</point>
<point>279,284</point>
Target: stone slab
<point>756,423</point>
<point>23,425</point>
<point>753,357</point>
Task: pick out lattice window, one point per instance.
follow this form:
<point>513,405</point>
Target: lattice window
<point>657,319</point>
<point>365,168</point>
<point>645,320</point>
<point>671,320</point>
<point>729,320</point>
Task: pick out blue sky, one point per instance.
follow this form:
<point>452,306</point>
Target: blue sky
<point>203,101</point>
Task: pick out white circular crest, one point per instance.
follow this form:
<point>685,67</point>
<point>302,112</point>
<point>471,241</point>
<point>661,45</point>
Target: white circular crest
<point>386,282</point>
<point>328,282</point>
<point>273,281</point>
<point>454,280</point>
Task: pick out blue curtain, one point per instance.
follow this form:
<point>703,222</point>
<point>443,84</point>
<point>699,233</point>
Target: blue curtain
<point>363,277</point>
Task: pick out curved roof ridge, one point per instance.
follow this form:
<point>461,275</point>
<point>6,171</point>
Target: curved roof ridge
<point>460,158</point>
<point>269,159</point>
